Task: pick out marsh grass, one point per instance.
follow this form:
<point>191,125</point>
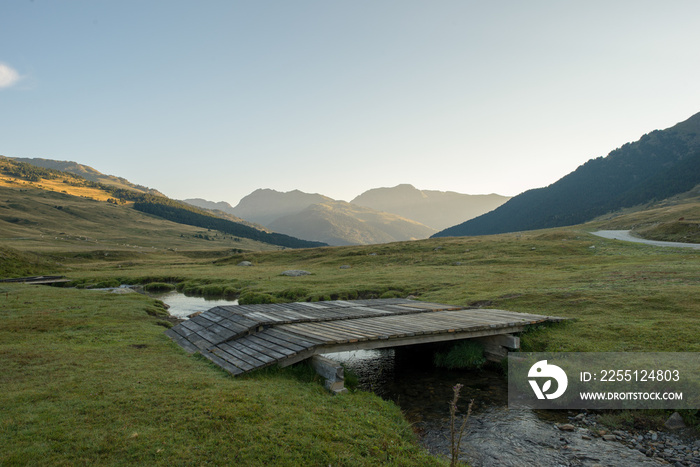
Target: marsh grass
<point>623,296</point>
<point>89,377</point>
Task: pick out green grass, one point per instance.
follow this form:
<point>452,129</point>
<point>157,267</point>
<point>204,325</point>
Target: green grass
<point>89,377</point>
<point>623,296</point>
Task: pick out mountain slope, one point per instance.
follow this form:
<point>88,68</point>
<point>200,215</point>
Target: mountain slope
<point>87,173</point>
<point>436,209</point>
<point>22,176</point>
<point>661,164</point>
<point>341,223</point>
<point>222,209</point>
<point>264,205</point>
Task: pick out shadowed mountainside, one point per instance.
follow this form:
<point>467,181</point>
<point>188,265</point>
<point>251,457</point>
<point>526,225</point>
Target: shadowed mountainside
<point>661,164</point>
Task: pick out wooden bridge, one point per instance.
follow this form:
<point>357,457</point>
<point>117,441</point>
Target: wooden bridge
<point>243,338</point>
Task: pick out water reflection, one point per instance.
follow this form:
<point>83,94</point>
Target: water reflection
<point>181,306</point>
<point>408,377</point>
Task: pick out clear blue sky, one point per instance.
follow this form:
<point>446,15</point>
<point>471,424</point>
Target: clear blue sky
<point>214,99</point>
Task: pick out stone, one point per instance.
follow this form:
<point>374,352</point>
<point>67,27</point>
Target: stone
<point>345,266</point>
<point>245,263</point>
<point>567,427</point>
<point>675,422</point>
<point>610,437</point>
<point>295,273</point>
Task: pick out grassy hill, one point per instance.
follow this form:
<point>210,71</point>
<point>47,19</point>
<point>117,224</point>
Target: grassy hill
<point>88,173</point>
<point>50,202</point>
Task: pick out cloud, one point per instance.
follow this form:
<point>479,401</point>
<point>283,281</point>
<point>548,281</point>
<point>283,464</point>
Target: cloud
<point>8,76</point>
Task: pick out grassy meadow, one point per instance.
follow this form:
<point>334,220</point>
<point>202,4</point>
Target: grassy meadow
<point>89,377</point>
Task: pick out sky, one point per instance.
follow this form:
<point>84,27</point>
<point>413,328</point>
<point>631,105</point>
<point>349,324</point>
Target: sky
<point>215,99</point>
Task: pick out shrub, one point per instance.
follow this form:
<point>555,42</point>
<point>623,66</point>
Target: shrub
<point>158,287</point>
<point>392,294</point>
<point>295,294</point>
<point>212,290</point>
<point>465,354</point>
<point>107,284</point>
<point>249,298</point>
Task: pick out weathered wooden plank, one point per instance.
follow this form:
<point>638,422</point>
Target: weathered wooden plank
<point>293,347</point>
<point>291,336</point>
<point>339,326</point>
<point>241,360</point>
<point>233,326</point>
<point>280,349</point>
<point>202,321</point>
<point>253,343</point>
<point>212,316</point>
<point>323,335</point>
<point>243,321</point>
<point>383,331</point>
<point>223,363</point>
<point>191,325</point>
<point>252,354</point>
<point>368,328</point>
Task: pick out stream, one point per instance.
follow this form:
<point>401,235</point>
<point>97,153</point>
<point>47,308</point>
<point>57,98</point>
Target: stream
<point>494,435</point>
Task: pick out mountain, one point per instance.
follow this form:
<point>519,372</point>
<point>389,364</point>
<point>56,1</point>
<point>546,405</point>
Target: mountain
<point>436,209</point>
<point>661,164</point>
<point>222,209</point>
<point>18,176</point>
<point>212,205</point>
<point>342,223</point>
<point>87,173</point>
<point>264,205</point>
<point>320,218</point>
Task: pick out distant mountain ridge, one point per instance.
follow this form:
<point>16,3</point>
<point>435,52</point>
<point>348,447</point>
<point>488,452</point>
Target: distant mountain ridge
<point>659,165</point>
<point>376,216</point>
<point>264,205</point>
<point>436,209</point>
<point>319,218</point>
<point>342,223</point>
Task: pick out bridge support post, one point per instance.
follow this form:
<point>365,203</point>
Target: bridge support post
<point>496,347</point>
<point>332,371</point>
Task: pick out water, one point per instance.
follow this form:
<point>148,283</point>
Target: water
<point>181,306</point>
<point>408,377</point>
<point>495,435</point>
